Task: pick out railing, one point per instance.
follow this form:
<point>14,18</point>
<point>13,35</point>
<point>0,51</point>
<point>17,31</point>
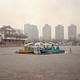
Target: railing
<point>15,36</point>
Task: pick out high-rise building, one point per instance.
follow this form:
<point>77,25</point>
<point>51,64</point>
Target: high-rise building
<point>32,32</point>
<point>72,32</point>
<point>59,32</point>
<point>35,33</point>
<point>78,37</point>
<point>46,32</point>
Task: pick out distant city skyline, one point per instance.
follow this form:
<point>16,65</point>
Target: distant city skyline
<point>32,32</point>
<point>47,32</point>
<point>39,12</point>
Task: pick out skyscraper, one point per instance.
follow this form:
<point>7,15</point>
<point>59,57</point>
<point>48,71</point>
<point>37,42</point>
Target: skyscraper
<point>46,32</point>
<point>35,33</point>
<point>59,32</point>
<point>78,37</point>
<point>32,32</point>
<point>72,32</point>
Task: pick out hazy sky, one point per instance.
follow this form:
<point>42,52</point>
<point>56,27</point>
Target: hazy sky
<point>39,12</point>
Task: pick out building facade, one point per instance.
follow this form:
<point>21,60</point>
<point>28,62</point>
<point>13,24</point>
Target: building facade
<point>19,31</point>
<point>9,35</point>
<point>78,37</point>
<point>46,32</point>
<point>72,32</point>
<point>59,32</point>
<point>32,32</point>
